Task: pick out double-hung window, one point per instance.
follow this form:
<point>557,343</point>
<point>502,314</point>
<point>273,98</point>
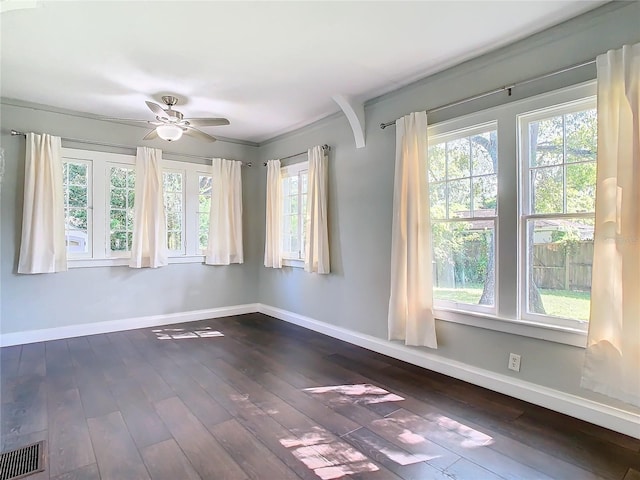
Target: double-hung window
<point>463,192</point>
<point>558,165</point>
<point>294,180</point>
<point>99,201</point>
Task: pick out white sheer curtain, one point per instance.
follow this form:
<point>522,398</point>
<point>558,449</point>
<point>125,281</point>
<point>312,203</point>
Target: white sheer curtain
<point>612,358</point>
<point>316,250</point>
<point>149,245</point>
<point>411,301</point>
<point>225,224</point>
<point>43,247</point>
<point>273,230</point>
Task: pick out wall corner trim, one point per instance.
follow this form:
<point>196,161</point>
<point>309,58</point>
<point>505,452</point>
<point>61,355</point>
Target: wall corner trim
<point>354,112</point>
<point>70,331</point>
<point>584,409</point>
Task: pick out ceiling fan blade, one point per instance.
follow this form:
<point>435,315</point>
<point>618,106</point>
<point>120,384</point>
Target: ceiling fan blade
<point>129,120</point>
<point>194,132</point>
<point>207,122</point>
<point>153,134</point>
<point>157,109</point>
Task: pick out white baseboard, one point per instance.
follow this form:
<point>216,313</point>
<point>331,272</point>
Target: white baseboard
<point>588,410</point>
<point>70,331</point>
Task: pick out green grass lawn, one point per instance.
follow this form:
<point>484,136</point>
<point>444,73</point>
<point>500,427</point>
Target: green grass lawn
<point>558,303</point>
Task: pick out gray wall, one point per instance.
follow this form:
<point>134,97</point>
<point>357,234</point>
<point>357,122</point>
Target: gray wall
<point>355,296</point>
<point>85,295</point>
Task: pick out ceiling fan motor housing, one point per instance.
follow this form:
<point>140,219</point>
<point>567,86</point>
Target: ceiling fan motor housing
<point>170,100</point>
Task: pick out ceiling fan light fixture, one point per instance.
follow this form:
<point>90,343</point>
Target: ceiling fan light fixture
<point>169,132</point>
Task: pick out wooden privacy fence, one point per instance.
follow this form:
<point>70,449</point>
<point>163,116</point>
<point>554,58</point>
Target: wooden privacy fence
<point>560,267</point>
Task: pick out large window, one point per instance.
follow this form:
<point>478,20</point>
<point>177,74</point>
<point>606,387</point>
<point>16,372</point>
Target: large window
<point>294,205</point>
<point>512,194</point>
<point>99,196</point>
<point>558,148</point>
<point>463,195</point>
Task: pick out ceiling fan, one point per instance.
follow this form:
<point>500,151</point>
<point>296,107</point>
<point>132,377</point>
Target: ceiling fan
<point>170,124</point>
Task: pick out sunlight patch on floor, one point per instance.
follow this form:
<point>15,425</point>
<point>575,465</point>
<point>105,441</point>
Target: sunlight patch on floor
<point>365,394</point>
<point>436,425</point>
<point>327,455</point>
<point>180,333</point>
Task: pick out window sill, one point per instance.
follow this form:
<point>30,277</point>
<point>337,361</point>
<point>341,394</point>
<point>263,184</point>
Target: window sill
<point>292,262</point>
<point>124,262</point>
<point>553,333</point>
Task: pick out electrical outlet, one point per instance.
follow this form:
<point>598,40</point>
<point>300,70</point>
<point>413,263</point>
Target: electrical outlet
<point>514,362</point>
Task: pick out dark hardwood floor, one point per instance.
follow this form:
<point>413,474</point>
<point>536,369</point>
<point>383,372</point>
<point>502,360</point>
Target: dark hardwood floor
<point>253,397</point>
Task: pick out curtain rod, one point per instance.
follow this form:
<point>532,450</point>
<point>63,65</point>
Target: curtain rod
<point>129,147</point>
<point>325,147</point>
<point>498,90</point>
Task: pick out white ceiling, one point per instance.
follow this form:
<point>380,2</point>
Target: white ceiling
<point>270,67</point>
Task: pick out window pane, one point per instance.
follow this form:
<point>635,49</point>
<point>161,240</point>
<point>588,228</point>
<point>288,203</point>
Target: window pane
<point>174,240</point>
<point>304,177</point>
<point>547,190</point>
<point>77,219</point>
<point>77,174</point>
<point>546,142</point>
<point>484,153</point>
<point>174,221</point>
<point>463,268</point>
<point>459,198</point>
<point>485,196</point>
<point>458,158</point>
<point>118,177</point>
<point>437,194</point>
<point>203,229</point>
<point>118,198</point>
<point>119,241</point>
<point>560,256</point>
<point>437,163</point>
<point>77,196</point>
<point>581,136</point>
<point>293,205</point>
<point>581,187</point>
<point>118,220</point>
<point>131,177</point>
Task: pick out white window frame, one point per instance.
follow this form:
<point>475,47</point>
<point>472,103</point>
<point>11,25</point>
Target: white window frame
<point>525,201</point>
<point>182,250</point>
<point>509,256</point>
<point>99,203</point>
<point>447,137</point>
<point>293,170</point>
<point>108,253</point>
<point>196,232</point>
<point>89,207</point>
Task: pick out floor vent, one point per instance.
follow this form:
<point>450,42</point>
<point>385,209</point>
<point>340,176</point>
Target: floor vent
<point>22,462</point>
